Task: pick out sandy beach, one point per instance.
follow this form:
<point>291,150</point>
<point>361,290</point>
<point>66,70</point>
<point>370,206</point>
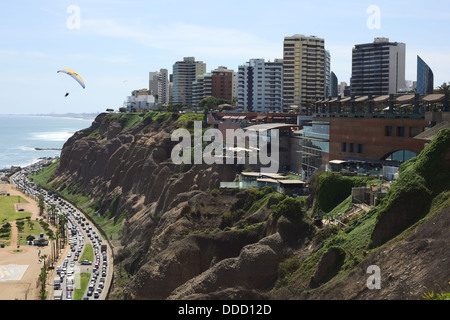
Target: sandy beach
<point>24,264</point>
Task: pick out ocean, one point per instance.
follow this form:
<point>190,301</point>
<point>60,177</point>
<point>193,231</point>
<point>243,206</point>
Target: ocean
<point>20,135</point>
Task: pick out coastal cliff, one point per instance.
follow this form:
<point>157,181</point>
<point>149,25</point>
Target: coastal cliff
<point>175,235</point>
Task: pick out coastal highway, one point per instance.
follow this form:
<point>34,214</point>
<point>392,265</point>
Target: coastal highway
<point>82,234</point>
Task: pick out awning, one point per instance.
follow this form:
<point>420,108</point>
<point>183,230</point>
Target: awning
<point>430,134</point>
<point>347,99</point>
<point>433,97</point>
<point>404,98</point>
<point>337,161</point>
<point>292,182</point>
<point>267,180</point>
<point>362,99</point>
<point>381,98</point>
<point>261,117</point>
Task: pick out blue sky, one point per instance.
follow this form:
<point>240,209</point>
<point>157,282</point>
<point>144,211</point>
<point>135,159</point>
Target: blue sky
<point>117,43</point>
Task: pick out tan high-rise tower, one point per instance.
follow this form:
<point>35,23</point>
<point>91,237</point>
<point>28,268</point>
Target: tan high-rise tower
<point>303,70</point>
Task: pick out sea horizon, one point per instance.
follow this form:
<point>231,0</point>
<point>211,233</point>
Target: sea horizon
<point>27,138</point>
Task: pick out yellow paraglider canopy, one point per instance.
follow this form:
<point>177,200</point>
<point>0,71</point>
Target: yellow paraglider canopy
<point>74,75</point>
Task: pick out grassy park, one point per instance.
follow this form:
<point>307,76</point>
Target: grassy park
<point>7,210</point>
<point>8,213</point>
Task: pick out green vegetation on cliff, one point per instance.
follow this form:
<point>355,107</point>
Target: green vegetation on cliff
<point>332,188</point>
<point>110,223</point>
<point>422,189</point>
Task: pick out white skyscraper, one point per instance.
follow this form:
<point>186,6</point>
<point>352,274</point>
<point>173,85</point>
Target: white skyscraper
<point>159,85</point>
<point>260,85</point>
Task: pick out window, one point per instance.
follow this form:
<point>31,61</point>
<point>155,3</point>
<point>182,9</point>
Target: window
<point>344,147</point>
<point>360,148</point>
<point>350,147</point>
<point>413,131</point>
<point>388,131</point>
<point>400,131</point>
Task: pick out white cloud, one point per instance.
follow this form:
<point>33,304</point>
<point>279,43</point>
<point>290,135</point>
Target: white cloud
<point>189,39</point>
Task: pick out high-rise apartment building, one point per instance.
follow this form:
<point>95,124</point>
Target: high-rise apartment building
<point>218,84</point>
<point>425,77</point>
<point>333,85</point>
<point>378,68</point>
<point>184,75</point>
<point>159,86</point>
<point>222,83</point>
<point>260,85</point>
<point>327,84</point>
<point>201,88</point>
<point>304,60</point>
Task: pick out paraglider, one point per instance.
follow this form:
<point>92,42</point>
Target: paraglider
<point>75,76</point>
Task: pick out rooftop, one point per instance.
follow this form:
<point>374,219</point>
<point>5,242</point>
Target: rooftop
<point>430,133</point>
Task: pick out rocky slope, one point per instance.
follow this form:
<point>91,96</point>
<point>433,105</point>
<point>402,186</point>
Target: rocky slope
<point>181,239</point>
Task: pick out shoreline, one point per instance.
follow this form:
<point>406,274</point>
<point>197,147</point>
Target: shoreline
<point>47,149</point>
<point>37,136</point>
<point>12,169</point>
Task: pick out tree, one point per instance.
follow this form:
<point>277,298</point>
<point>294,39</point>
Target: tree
<point>53,212</point>
<point>41,204</point>
<point>291,208</point>
<point>174,107</point>
<point>109,110</point>
<point>444,88</point>
<point>212,102</point>
<point>122,110</point>
<point>209,102</point>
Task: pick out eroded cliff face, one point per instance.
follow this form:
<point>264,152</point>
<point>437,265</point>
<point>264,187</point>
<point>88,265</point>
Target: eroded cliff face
<point>179,240</point>
<point>166,238</point>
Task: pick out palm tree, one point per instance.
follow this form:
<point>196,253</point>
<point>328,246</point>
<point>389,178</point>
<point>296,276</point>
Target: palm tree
<point>53,212</point>
<point>444,88</point>
<point>41,204</point>
<point>62,229</point>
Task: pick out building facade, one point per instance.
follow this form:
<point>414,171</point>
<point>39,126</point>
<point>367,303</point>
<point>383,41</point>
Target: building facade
<point>222,83</point>
<point>201,88</point>
<point>334,90</point>
<point>260,85</point>
<point>184,75</point>
<point>140,100</point>
<point>327,75</point>
<point>159,86</point>
<point>425,78</point>
<point>378,68</point>
<point>304,63</point>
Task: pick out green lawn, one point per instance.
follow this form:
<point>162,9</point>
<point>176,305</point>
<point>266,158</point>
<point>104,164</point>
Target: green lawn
<point>84,281</point>
<point>33,228</point>
<point>7,210</point>
<point>88,253</point>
